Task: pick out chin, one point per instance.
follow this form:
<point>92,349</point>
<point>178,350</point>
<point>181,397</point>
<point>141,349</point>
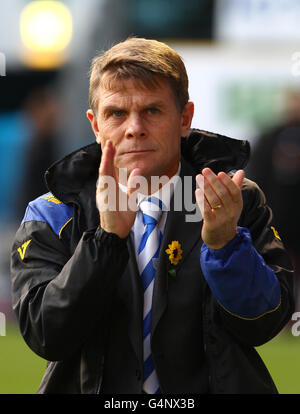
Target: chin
<point>146,168</point>
<point>143,171</point>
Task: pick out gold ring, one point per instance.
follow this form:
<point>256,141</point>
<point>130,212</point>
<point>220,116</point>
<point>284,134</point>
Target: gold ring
<point>217,207</point>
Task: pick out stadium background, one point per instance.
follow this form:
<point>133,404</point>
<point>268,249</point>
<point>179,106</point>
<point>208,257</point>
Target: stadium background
<point>242,58</point>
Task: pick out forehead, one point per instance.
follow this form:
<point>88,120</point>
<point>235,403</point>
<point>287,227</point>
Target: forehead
<point>133,89</point>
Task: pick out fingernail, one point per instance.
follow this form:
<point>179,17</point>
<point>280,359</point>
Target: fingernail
<point>206,171</point>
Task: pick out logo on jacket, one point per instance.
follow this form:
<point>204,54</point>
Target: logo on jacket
<point>52,199</point>
<point>22,250</point>
<point>275,233</point>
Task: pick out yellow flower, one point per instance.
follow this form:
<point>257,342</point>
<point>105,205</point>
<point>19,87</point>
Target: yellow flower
<point>174,251</point>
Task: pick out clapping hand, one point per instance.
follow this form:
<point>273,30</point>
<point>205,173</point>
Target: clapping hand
<point>114,220</point>
<point>220,201</point>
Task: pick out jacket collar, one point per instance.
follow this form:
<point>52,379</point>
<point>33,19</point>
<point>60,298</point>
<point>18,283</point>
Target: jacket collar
<point>68,178</point>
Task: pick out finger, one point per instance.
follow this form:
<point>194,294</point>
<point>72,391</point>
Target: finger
<point>202,184</point>
<point>132,190</point>
<point>238,178</point>
<point>133,179</point>
<point>136,183</point>
<point>233,184</point>
<point>204,205</point>
<point>107,159</point>
<point>106,168</point>
<point>211,197</point>
<point>200,181</point>
<point>215,191</point>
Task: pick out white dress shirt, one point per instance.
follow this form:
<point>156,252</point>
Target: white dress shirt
<point>164,194</point>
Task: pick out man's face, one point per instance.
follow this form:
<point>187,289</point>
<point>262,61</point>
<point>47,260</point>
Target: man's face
<point>144,125</point>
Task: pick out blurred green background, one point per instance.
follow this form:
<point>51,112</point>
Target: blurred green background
<point>22,370</point>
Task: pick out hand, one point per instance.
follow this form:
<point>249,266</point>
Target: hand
<point>220,201</point>
<point>114,220</point>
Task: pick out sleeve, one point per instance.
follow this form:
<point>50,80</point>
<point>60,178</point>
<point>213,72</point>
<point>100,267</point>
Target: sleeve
<point>239,278</point>
<point>58,297</point>
<point>251,278</point>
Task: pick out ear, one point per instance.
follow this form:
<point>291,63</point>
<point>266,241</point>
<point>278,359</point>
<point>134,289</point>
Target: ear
<point>186,118</point>
<point>94,124</point>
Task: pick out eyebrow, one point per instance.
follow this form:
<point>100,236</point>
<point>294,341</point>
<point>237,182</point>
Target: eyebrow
<point>154,104</point>
<point>112,108</point>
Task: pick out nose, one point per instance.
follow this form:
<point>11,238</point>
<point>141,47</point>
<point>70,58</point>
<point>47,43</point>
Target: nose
<point>135,127</point>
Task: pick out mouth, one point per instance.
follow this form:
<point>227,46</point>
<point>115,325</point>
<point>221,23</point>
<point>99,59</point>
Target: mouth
<point>136,152</point>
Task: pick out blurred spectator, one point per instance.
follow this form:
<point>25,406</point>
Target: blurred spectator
<point>42,108</point>
<point>14,136</point>
<point>27,148</point>
<point>275,166</point>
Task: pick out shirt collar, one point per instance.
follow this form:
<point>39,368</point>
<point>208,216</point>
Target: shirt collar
<point>164,194</point>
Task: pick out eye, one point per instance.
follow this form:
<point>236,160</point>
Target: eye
<point>153,111</point>
<point>117,114</point>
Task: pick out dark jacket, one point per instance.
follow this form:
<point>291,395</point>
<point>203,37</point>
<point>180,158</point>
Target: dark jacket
<point>78,296</point>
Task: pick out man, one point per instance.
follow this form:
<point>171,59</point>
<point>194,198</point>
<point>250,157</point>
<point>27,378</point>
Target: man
<point>125,300</point>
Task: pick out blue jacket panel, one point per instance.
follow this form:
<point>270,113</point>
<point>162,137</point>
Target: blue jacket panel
<point>239,277</point>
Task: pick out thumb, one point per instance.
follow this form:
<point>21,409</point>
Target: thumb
<point>135,181</point>
<point>238,178</point>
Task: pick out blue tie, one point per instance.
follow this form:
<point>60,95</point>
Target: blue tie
<point>147,258</point>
